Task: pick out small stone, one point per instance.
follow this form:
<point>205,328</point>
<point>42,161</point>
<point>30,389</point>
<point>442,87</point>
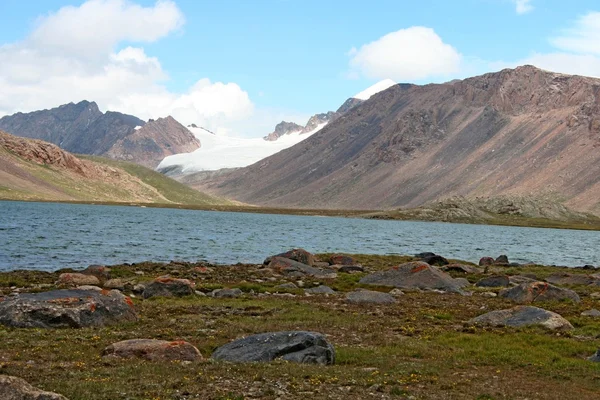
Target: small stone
<point>77,279</point>
<point>396,292</point>
<point>591,313</point>
<point>199,293</point>
<point>322,289</point>
<point>595,295</point>
<point>139,288</point>
<point>486,261</point>
<point>489,294</point>
<point>286,286</point>
<point>226,293</point>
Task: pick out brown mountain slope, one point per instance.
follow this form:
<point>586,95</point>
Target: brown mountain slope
<point>36,170</point>
<point>516,132</point>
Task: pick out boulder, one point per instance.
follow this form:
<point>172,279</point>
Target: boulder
<point>227,293</point>
<point>414,275</point>
<point>572,279</point>
<point>435,260</point>
<point>350,269</point>
<point>467,269</point>
<point>521,316</point>
<point>294,346</point>
<point>99,271</point>
<point>13,388</point>
<point>299,255</point>
<point>501,260</point>
<point>424,254</point>
<point>168,287</point>
<point>486,261</point>
<point>287,286</point>
<point>462,282</point>
<point>77,279</point>
<point>534,292</point>
<point>153,350</point>
<point>294,268</point>
<point>66,309</point>
<point>518,279</point>
<point>494,281</point>
<point>369,297</point>
<point>341,259</point>
<point>322,289</point>
<point>591,313</point>
<point>117,283</point>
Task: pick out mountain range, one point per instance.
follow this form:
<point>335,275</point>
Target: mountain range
<point>522,132</point>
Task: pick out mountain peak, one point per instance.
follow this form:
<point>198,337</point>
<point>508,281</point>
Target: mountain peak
<point>374,89</point>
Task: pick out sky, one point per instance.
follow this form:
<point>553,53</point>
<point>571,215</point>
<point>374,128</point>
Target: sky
<point>239,67</point>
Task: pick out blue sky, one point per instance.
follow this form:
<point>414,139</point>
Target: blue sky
<point>240,66</point>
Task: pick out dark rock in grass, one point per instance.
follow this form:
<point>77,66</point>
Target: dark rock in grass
<point>595,357</point>
<point>349,269</point>
<point>369,297</point>
<point>66,309</point>
<point>341,259</point>
<point>501,260</point>
<point>467,269</point>
<point>293,268</point>
<point>435,260</point>
<point>494,281</point>
<point>573,279</point>
<point>153,350</point>
<point>424,254</point>
<point>322,289</point>
<point>486,261</point>
<point>518,279</point>
<point>13,388</point>
<point>168,287</point>
<point>521,316</point>
<point>295,346</point>
<point>99,271</point>
<point>414,275</point>
<point>299,255</point>
<point>76,279</point>
<point>591,313</point>
<point>227,293</point>
<point>535,292</point>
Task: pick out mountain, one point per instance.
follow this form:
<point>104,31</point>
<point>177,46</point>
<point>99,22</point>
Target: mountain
<point>315,123</point>
<point>82,128</point>
<point>31,169</point>
<point>518,132</point>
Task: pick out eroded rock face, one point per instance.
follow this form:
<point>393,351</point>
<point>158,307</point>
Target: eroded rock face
<point>534,292</point>
<point>521,316</point>
<point>13,388</point>
<point>66,309</point>
<point>153,350</point>
<point>169,287</point>
<point>369,297</point>
<point>294,346</point>
<point>293,268</point>
<point>299,255</point>
<point>414,275</point>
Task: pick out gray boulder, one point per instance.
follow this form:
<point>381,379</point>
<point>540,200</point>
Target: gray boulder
<point>293,268</point>
<point>591,313</point>
<point>153,350</point>
<point>573,279</point>
<point>168,287</point>
<point>414,275</point>
<point>66,309</point>
<point>370,297</point>
<point>494,281</point>
<point>534,292</point>
<point>299,255</point>
<point>13,388</point>
<point>521,316</point>
<point>467,269</point>
<point>322,289</point>
<point>294,346</point>
<point>227,293</point>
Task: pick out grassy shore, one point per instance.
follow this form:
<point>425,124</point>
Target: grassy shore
<point>418,348</point>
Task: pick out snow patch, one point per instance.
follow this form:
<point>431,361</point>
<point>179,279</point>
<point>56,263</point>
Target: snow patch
<point>137,128</point>
<point>376,88</point>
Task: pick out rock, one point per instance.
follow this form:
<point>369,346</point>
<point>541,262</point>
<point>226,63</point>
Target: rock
<point>414,275</point>
<point>489,294</point>
<point>501,260</point>
<point>299,255</point>
<point>322,289</point>
<point>486,261</point>
<point>534,292</point>
<point>349,269</point>
<point>341,259</point>
<point>435,260</point>
<point>595,357</point>
<point>118,284</point>
<point>153,350</point>
<point>396,292</point>
<point>467,269</point>
<point>321,264</point>
<point>572,279</point>
<point>518,279</point>
<point>168,287</point>
<point>227,293</point>
<point>595,295</point>
<point>521,316</point>
<point>369,297</point>
<point>295,346</point>
<point>66,309</point>
<point>99,271</point>
<point>591,313</point>
<point>494,281</point>
<point>424,254</point>
<point>286,286</point>
<point>13,388</point>
<point>293,268</point>
<point>76,279</point>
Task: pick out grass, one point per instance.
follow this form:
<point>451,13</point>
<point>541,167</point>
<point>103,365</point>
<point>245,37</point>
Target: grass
<point>419,347</point>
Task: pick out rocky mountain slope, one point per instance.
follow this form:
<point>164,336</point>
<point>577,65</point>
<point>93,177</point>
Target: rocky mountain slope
<point>82,128</point>
<point>519,132</point>
<point>36,170</point>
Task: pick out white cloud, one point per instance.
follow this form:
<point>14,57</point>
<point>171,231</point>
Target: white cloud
<point>583,38</point>
<point>406,55</point>
<point>72,55</point>
<point>523,6</point>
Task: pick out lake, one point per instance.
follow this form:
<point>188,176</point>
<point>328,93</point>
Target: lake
<point>49,236</point>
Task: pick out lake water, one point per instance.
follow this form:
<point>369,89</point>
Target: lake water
<point>49,236</point>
